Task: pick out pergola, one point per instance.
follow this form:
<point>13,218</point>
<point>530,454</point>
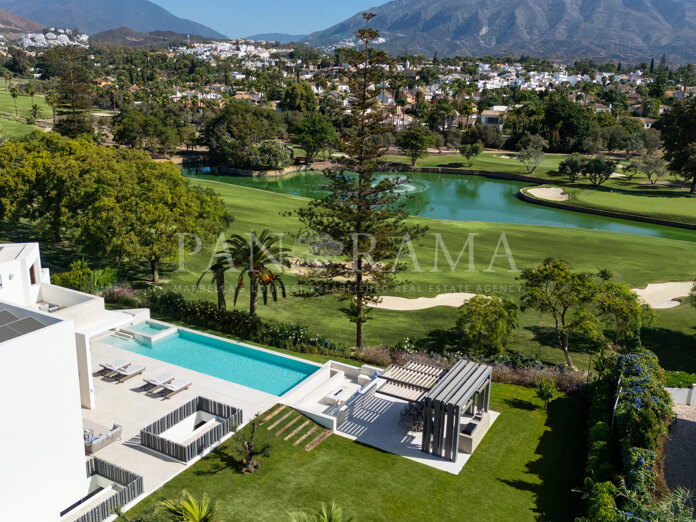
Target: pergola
<point>463,390</point>
<point>410,382</point>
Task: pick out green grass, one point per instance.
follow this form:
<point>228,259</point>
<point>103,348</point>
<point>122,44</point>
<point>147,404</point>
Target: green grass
<point>7,104</point>
<point>675,205</point>
<point>635,196</point>
<point>523,470</point>
<point>501,161</point>
<point>636,260</point>
<point>15,129</point>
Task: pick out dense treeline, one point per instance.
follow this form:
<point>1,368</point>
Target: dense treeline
<point>116,204</point>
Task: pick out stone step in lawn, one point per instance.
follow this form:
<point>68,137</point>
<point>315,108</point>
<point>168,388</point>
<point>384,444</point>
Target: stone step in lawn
<point>293,421</point>
<point>303,437</point>
<point>297,430</point>
<point>273,414</point>
<point>280,420</point>
<point>318,440</point>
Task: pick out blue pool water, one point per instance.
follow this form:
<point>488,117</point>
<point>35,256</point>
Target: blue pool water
<point>147,328</point>
<point>263,371</point>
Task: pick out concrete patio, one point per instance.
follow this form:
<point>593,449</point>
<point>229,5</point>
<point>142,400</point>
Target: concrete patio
<point>376,423</point>
<point>127,404</point>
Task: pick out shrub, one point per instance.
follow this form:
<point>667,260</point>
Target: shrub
<point>82,278</point>
<point>121,294</point>
<point>601,506</point>
<point>546,390</point>
<point>639,465</point>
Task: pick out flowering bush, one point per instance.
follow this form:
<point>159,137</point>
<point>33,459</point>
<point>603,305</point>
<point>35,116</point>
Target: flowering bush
<point>644,405</point>
<point>639,465</point>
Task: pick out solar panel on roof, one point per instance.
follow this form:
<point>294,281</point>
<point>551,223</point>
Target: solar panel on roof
<point>7,317</point>
<point>7,333</point>
<point>26,325</point>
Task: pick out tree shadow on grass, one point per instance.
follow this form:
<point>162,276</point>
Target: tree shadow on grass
<point>440,341</point>
<point>560,462</point>
<point>546,336</point>
<point>221,458</point>
<point>675,349</point>
<point>520,404</point>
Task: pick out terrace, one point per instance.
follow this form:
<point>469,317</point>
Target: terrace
<point>128,405</point>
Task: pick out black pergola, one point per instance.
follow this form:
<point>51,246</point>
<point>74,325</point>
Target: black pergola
<point>464,390</point>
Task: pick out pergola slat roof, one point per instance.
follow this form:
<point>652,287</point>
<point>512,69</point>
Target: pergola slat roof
<point>410,382</point>
<point>412,377</point>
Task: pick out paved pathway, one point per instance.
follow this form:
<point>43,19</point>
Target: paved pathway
<point>680,457</point>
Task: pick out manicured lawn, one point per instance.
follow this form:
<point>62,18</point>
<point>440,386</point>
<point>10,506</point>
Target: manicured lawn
<point>501,161</point>
<point>677,205</point>
<point>636,260</point>
<point>524,469</point>
<point>634,196</point>
<point>15,129</point>
<point>7,104</point>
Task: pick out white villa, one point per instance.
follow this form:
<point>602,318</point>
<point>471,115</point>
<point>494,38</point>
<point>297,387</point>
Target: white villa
<point>89,434</point>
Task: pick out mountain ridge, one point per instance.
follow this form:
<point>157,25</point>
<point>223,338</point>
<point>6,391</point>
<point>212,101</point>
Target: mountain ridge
<point>610,29</point>
<point>276,37</point>
<point>96,16</point>
<point>12,26</point>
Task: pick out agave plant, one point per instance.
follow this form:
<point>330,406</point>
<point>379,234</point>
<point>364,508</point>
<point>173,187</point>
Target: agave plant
<point>255,257</point>
<point>327,513</point>
<point>187,508</point>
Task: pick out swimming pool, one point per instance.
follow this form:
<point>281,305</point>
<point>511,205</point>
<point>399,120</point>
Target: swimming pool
<point>147,328</point>
<point>258,369</point>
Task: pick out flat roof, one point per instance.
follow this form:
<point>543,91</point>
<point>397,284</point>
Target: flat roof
<point>16,321</point>
<point>11,251</point>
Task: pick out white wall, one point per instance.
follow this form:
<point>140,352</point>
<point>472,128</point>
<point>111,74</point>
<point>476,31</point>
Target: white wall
<point>14,273</point>
<point>42,460</point>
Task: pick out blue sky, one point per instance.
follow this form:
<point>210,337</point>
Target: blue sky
<point>239,18</point>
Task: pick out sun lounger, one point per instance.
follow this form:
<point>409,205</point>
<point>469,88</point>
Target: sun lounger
<point>110,368</point>
<point>159,381</point>
<point>129,372</point>
<point>175,387</point>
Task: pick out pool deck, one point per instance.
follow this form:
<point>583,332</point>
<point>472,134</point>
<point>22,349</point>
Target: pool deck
<point>128,405</point>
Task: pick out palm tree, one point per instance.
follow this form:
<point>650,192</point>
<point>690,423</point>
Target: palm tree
<point>7,75</point>
<point>15,94</point>
<point>255,257</point>
<point>328,513</point>
<point>31,91</point>
<point>187,508</point>
<point>218,269</point>
<point>53,98</point>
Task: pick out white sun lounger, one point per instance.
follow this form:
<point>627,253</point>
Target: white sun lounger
<point>110,368</point>
<point>175,387</point>
<point>129,372</point>
<point>159,381</point>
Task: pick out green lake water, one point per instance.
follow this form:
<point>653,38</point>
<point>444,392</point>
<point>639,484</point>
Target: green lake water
<point>459,197</point>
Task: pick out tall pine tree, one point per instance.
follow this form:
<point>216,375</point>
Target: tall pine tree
<point>363,213</point>
<point>74,94</point>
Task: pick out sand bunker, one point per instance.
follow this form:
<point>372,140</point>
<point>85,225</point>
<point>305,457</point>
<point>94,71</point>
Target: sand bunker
<point>657,295</point>
<point>664,295</point>
<point>549,193</point>
<point>421,303</point>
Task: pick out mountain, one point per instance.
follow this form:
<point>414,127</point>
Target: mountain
<point>128,38</point>
<point>95,16</point>
<point>277,37</point>
<point>606,29</point>
<point>13,26</point>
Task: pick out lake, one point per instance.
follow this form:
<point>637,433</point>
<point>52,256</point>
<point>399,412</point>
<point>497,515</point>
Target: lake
<point>459,197</point>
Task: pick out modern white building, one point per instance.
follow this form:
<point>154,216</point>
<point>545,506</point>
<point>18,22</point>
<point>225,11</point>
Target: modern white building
<point>46,378</point>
